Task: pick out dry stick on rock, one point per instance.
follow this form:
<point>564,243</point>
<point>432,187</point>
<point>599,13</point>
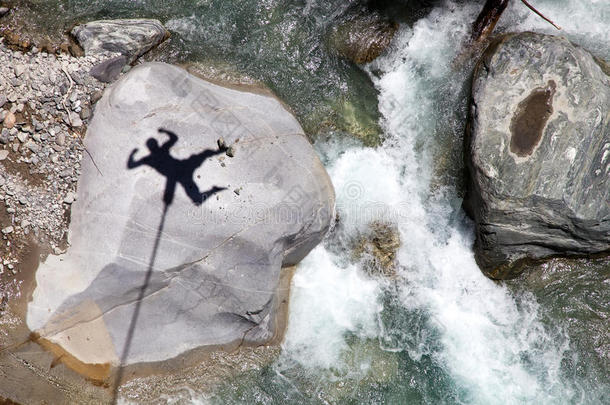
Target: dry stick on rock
<point>63,68</point>
<point>540,14</point>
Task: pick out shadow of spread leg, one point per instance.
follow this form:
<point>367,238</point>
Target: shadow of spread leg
<point>207,194</point>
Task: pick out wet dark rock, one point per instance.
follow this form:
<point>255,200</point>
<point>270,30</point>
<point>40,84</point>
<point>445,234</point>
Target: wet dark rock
<point>363,38</point>
<point>538,153</point>
<point>110,69</point>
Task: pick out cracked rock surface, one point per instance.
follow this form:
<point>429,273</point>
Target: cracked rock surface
<point>538,153</point>
<point>216,262</point>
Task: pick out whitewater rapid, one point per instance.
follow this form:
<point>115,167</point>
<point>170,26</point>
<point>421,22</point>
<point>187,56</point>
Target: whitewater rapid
<point>490,342</point>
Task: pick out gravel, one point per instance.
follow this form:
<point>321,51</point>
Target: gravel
<point>43,117</point>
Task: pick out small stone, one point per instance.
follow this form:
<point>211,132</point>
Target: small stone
<point>85,113</point>
<point>221,143</point>
<point>76,121</point>
<point>3,100</point>
<point>70,197</point>
<point>95,96</point>
<point>3,154</point>
<point>109,70</point>
<point>19,70</point>
<point>230,152</point>
<point>236,191</point>
<point>9,120</point>
<point>25,223</point>
<point>32,146</point>
<point>22,136</point>
<point>3,10</point>
<point>60,139</point>
<point>7,230</point>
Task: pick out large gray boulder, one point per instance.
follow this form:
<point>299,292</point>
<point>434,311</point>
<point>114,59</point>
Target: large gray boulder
<point>538,153</point>
<point>216,225</point>
<point>129,37</point>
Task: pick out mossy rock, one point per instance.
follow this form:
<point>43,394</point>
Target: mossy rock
<point>377,249</point>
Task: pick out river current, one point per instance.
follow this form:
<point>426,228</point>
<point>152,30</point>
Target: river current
<point>438,331</point>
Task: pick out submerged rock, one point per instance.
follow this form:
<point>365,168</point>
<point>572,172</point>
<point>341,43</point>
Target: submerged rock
<point>164,257</point>
<point>131,38</point>
<point>378,249</point>
<point>538,152</point>
<point>363,38</point>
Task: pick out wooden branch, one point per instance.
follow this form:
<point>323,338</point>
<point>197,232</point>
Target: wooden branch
<point>540,14</point>
<point>487,19</point>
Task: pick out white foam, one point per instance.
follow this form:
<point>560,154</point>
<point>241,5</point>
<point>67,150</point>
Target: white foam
<point>586,22</point>
<point>485,332</point>
<point>328,300</point>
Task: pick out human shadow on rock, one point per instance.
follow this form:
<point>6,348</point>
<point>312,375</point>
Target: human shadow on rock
<point>176,171</point>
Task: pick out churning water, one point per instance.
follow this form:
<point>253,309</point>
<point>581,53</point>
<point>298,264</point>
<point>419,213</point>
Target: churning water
<point>440,331</point>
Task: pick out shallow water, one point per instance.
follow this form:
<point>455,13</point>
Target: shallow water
<point>438,332</point>
<point>280,43</point>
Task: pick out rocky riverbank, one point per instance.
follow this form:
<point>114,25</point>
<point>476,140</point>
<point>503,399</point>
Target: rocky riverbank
<point>46,101</point>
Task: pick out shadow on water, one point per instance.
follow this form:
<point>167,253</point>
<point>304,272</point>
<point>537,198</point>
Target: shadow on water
<point>176,171</point>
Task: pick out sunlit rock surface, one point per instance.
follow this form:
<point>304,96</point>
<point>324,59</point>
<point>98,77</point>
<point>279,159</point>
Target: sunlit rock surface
<point>216,243</point>
<point>129,37</point>
<point>538,153</point>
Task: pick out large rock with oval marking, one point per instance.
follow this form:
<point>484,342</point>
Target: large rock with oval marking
<point>538,153</point>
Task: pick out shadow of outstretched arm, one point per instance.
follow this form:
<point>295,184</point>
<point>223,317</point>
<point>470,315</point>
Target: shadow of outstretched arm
<point>173,138</point>
<point>131,162</point>
<point>208,153</point>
